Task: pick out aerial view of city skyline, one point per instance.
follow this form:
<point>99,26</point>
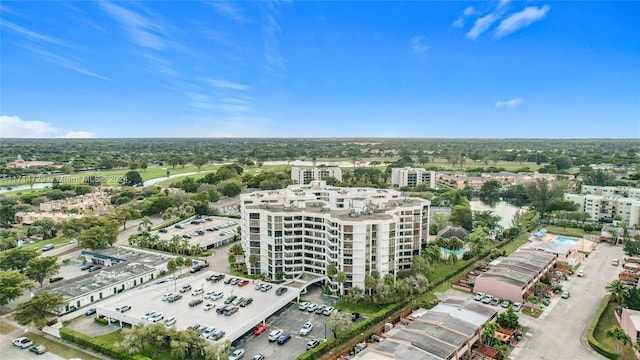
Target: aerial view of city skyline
<point>536,69</point>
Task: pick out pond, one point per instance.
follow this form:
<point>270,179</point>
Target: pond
<point>500,208</point>
<point>25,187</point>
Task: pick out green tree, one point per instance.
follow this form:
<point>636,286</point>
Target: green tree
<point>619,337</point>
<point>171,266</point>
<point>16,259</point>
<point>563,162</point>
<point>39,308</point>
<point>145,224</point>
<point>341,278</point>
<point>461,215</point>
<point>632,300</point>
<point>487,219</point>
<point>123,213</point>
<point>7,215</point>
<point>254,259</point>
<point>180,262</point>
<point>131,178</point>
<point>46,227</point>
<point>41,268</point>
<point>490,190</point>
<point>11,285</point>
<point>99,237</point>
<point>419,265</point>
<point>489,333</point>
<point>332,270</point>
<point>509,319</point>
<point>339,322</point>
<point>617,290</point>
<point>230,188</point>
<point>200,161</point>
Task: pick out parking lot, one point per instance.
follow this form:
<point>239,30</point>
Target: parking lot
<point>290,320</point>
<point>208,231</point>
<point>149,298</point>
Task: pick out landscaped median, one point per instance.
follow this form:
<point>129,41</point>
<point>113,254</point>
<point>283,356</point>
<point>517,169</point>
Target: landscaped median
<point>102,344</point>
<point>595,344</point>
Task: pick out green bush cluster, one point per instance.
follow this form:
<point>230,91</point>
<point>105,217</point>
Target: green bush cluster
<point>101,346</point>
<point>595,344</point>
<point>100,320</point>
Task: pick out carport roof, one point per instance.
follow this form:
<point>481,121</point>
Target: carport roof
<point>390,349</point>
<point>463,309</point>
<point>433,345</point>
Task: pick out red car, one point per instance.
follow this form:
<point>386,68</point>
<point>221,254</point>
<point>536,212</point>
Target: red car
<point>243,283</point>
<point>260,329</point>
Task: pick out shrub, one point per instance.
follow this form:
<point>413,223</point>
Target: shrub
<point>595,344</point>
<point>100,345</point>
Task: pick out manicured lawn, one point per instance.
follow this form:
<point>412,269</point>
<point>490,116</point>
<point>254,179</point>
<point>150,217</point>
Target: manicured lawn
<point>38,245</point>
<point>443,268</point>
<point>14,193</point>
<point>558,230</point>
<point>7,328</point>
<point>365,309</point>
<point>515,244</point>
<point>59,349</point>
<point>532,312</point>
<point>607,321</point>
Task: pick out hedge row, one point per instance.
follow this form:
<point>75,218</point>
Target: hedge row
<point>101,346</point>
<point>595,344</point>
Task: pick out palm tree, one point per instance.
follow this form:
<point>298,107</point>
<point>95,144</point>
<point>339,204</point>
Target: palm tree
<point>174,244</point>
<point>614,236</point>
<point>617,290</point>
<point>254,259</point>
<point>432,253</point>
<point>341,278</point>
<point>145,224</point>
<point>489,332</point>
<point>619,337</point>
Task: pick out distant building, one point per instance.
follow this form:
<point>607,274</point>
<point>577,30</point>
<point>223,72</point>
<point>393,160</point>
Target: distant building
<point>606,207</point>
<point>563,251</point>
<point>513,278</point>
<point>413,177</point>
<point>88,202</point>
<point>304,176</point>
<point>27,218</point>
<point>448,331</point>
<point>303,228</point>
<point>23,164</point>
<point>621,191</point>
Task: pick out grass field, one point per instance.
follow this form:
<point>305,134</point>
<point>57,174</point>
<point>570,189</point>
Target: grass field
<point>607,321</point>
<point>38,245</point>
<point>6,328</point>
<point>62,350</point>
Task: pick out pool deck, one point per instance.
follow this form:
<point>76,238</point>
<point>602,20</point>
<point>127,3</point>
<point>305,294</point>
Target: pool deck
<point>581,245</point>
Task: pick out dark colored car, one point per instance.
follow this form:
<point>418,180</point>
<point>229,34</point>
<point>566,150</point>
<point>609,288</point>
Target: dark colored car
<point>164,231</point>
<point>86,266</point>
<point>95,268</point>
<point>55,278</point>
<point>355,316</point>
<point>90,312</point>
<point>230,299</point>
<point>195,302</point>
<point>281,290</point>
<point>284,338</point>
<point>246,302</point>
<point>178,226</point>
<point>221,309</point>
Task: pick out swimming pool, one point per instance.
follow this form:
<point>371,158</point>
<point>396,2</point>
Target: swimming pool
<point>566,240</point>
<point>448,252</point>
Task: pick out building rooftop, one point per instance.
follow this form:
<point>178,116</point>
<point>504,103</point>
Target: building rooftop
<point>553,247</point>
<point>634,315</point>
<point>520,267</point>
<point>422,341</point>
<point>463,309</point>
<point>390,349</point>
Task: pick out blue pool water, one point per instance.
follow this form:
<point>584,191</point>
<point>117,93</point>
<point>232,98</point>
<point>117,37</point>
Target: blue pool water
<point>566,240</point>
<point>448,252</point>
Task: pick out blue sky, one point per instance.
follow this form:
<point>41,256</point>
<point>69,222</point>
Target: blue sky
<point>320,69</point>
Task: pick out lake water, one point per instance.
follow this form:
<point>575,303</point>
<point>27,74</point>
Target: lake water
<point>500,208</point>
<point>25,187</point>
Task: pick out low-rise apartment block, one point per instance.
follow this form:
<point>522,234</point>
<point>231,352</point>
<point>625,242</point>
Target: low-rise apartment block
<point>606,207</point>
<point>304,228</point>
<point>306,175</point>
<point>413,177</point>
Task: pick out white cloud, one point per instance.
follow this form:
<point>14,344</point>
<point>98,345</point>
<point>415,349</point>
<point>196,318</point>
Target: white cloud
<point>275,61</point>
<point>468,11</point>
<point>521,19</point>
<point>417,44</point>
<point>459,23</point>
<point>481,25</point>
<point>14,127</point>
<point>503,3</point>
<point>231,11</point>
<point>141,30</point>
<point>34,36</point>
<point>226,84</point>
<point>509,104</point>
<point>65,62</point>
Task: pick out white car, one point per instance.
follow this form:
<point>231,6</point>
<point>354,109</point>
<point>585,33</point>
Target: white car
<point>328,310</point>
<point>580,273</point>
<point>216,295</point>
<point>312,307</point>
<point>303,306</point>
<point>157,317</point>
<point>479,296</point>
<point>208,306</point>
<point>148,315</point>
<point>22,342</point>
<point>197,292</point>
<point>517,306</point>
<point>306,328</point>
<point>236,354</point>
<point>207,332</point>
<point>275,334</point>
<point>170,321</point>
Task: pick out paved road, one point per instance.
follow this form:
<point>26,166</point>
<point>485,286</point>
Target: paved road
<point>560,333</point>
<point>163,178</point>
<point>8,351</point>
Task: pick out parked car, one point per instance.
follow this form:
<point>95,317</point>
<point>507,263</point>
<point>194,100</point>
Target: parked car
<point>615,262</point>
<point>327,311</point>
<point>275,334</point>
<point>185,288</point>
<point>260,329</point>
<point>565,295</point>
<point>90,312</point>
<point>222,309</point>
<point>266,287</point>
<point>22,342</point>
<point>313,343</point>
<point>487,299</point>
<point>55,278</point>
<point>148,315</point>
<point>157,317</point>
<point>517,306</point>
<point>179,226</point>
<point>236,354</point>
<point>355,317</point>
<point>230,299</point>
<point>234,281</point>
<point>479,296</point>
<point>228,281</point>
<point>40,349</point>
<point>47,247</point>
<point>303,305</point>
<point>86,266</point>
<point>237,301</point>
<point>217,335</point>
<point>197,292</point>
<point>505,304</point>
<point>207,332</point>
<point>320,309</point>
<point>246,302</point>
<point>495,301</point>
<point>123,308</point>
<point>258,357</point>
<point>95,268</point>
<point>208,306</point>
<point>164,231</point>
<point>216,295</point>
<point>231,310</point>
<point>281,290</point>
<point>312,307</point>
<point>174,297</point>
<point>284,338</point>
<point>243,283</point>
<point>170,321</point>
<point>580,273</point>
<point>195,268</point>
<point>306,328</point>
<point>195,302</point>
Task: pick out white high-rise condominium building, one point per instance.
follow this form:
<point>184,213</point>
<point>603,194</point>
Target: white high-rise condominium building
<point>304,228</point>
<point>413,177</point>
<point>606,207</point>
<point>307,175</point>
